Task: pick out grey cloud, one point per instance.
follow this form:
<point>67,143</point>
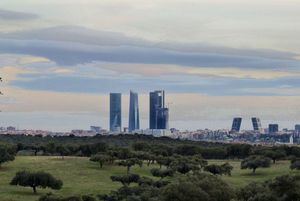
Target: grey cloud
<point>182,84</point>
<point>14,15</point>
<point>77,34</point>
<point>70,53</point>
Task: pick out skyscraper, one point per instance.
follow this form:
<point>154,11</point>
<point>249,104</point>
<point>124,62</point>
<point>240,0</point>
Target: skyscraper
<point>134,118</point>
<point>115,120</point>
<point>256,124</point>
<point>297,127</point>
<point>159,114</point>
<point>273,128</point>
<point>236,124</point>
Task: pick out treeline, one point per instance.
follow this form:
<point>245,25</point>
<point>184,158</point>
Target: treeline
<point>87,146</point>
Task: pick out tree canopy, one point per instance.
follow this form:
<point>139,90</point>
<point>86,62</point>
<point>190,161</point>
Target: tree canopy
<point>254,162</point>
<point>36,180</point>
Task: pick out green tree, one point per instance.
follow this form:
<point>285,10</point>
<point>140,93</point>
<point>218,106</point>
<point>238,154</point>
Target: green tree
<point>295,164</point>
<point>62,150</point>
<point>254,162</point>
<point>126,180</point>
<point>130,162</point>
<point>162,173</point>
<point>6,154</point>
<point>275,154</point>
<point>36,180</point>
<point>100,158</point>
<point>226,168</point>
<point>197,187</point>
<point>184,165</point>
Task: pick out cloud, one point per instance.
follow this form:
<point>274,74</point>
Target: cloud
<point>150,70</point>
<point>14,15</point>
<point>11,73</point>
<point>71,45</point>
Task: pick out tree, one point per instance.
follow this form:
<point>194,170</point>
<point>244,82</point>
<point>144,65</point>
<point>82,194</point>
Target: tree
<point>126,180</point>
<point>130,162</point>
<point>100,158</point>
<point>213,168</point>
<point>295,164</point>
<point>254,162</point>
<point>200,161</point>
<point>275,155</point>
<point>162,173</point>
<point>164,160</point>
<point>62,150</point>
<point>6,155</point>
<point>226,168</point>
<point>184,165</point>
<point>35,180</point>
<point>197,187</point>
<point>282,188</point>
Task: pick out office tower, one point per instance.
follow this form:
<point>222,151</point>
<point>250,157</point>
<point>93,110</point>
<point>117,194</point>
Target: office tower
<point>159,114</point>
<point>273,128</point>
<point>236,124</point>
<point>134,118</point>
<point>256,124</point>
<point>115,121</point>
<point>162,118</point>
<point>297,127</point>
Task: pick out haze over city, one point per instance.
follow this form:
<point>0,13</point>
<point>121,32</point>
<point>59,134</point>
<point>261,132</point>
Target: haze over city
<point>60,59</point>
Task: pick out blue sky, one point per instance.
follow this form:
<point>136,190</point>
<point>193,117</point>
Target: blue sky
<point>216,59</point>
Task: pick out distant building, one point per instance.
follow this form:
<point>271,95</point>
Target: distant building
<point>11,128</point>
<point>273,128</point>
<point>297,127</point>
<point>159,114</point>
<point>256,124</point>
<point>134,118</point>
<point>236,124</point>
<point>115,119</point>
<point>96,129</point>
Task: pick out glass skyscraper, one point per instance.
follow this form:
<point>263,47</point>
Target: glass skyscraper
<point>158,114</point>
<point>236,124</point>
<point>115,119</point>
<point>134,118</point>
<point>256,124</point>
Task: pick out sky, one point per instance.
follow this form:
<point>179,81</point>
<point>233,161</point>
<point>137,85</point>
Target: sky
<point>216,59</point>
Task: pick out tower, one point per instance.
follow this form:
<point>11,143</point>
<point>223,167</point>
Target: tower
<point>134,118</point>
<point>256,124</point>
<point>115,120</point>
<point>158,113</point>
<point>236,124</point>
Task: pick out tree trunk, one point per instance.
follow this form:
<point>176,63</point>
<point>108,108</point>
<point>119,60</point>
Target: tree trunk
<point>253,170</point>
<point>34,189</point>
<point>128,169</point>
<point>274,160</point>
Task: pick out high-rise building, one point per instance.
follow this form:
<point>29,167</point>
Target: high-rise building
<point>134,118</point>
<point>273,128</point>
<point>256,124</point>
<point>297,127</point>
<point>236,124</point>
<point>115,120</point>
<point>162,118</point>
<point>159,114</point>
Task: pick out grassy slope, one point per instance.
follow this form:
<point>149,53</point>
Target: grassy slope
<point>240,177</point>
<point>80,176</point>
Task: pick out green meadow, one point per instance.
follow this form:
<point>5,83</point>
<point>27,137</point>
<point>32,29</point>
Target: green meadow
<point>80,176</point>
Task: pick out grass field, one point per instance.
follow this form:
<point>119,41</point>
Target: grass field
<point>80,176</point>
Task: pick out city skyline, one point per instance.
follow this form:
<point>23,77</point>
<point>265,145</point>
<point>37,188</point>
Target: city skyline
<point>221,60</point>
